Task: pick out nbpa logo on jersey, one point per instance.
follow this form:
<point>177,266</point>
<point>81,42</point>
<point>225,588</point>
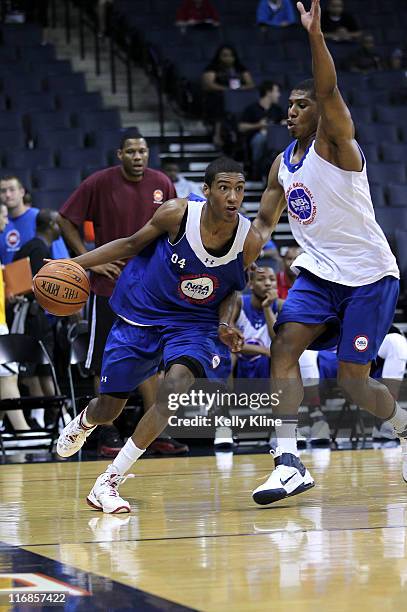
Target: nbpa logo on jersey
<point>361,343</point>
<point>301,205</point>
<point>13,239</point>
<point>198,289</point>
<point>158,196</point>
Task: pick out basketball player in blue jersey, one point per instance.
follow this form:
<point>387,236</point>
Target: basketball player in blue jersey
<point>171,301</point>
<point>348,284</point>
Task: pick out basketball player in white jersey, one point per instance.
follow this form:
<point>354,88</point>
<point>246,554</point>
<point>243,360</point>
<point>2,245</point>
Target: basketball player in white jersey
<point>348,284</point>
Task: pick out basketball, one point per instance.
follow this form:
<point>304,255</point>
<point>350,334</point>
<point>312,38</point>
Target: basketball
<point>61,287</point>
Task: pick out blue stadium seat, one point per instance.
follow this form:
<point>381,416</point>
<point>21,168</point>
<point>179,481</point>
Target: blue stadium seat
<point>81,158</point>
<point>21,35</point>
<point>74,83</point>
<point>17,84</point>
<point>397,195</point>
<point>394,152</point>
<point>108,139</point>
<point>377,133</point>
<point>49,121</point>
<point>34,102</point>
<point>377,194</point>
<point>30,158</point>
<point>278,138</point>
<point>387,80</point>
<point>61,139</point>
<point>236,100</point>
<point>401,252</point>
<point>386,173</point>
<point>24,174</point>
<point>389,114</point>
<point>84,101</point>
<point>364,97</point>
<point>371,152</point>
<point>38,54</point>
<point>54,67</point>
<point>12,139</point>
<point>57,178</point>
<point>391,219</point>
<point>92,121</point>
<point>50,199</point>
<point>8,54</point>
<point>361,114</point>
<point>11,120</point>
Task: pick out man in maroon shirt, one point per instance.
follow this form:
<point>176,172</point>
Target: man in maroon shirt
<point>286,277</point>
<point>119,201</point>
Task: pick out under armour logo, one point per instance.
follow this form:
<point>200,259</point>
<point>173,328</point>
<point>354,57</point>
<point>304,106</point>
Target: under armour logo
<point>209,261</point>
<point>103,379</point>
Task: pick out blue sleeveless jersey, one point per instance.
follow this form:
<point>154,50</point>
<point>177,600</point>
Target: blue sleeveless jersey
<point>181,283</point>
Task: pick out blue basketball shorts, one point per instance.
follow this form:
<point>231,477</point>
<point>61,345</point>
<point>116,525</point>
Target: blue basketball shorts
<point>358,318</point>
<point>134,353</point>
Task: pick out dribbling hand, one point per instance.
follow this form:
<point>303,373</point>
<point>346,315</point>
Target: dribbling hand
<point>232,337</point>
<point>311,20</point>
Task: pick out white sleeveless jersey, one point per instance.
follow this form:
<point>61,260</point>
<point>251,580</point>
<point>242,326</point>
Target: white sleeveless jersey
<point>332,219</point>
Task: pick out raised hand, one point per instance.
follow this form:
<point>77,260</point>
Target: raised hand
<point>311,20</point>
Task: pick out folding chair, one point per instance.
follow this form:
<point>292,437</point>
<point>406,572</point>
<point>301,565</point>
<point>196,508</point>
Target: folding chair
<point>78,338</point>
<point>22,348</point>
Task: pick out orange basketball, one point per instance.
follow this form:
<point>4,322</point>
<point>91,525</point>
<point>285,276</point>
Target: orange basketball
<point>61,287</point>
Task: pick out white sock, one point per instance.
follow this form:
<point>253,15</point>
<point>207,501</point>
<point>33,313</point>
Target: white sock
<point>398,419</point>
<point>126,457</point>
<point>287,437</point>
<point>84,421</point>
<point>38,415</point>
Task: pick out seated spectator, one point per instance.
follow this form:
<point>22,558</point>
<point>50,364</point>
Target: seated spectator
<point>182,186</point>
<point>9,372</point>
<point>255,119</point>
<point>196,13</point>
<point>396,60</point>
<point>275,13</point>
<point>271,254</point>
<point>366,58</point>
<point>286,278</point>
<point>224,72</point>
<point>34,320</point>
<point>338,25</point>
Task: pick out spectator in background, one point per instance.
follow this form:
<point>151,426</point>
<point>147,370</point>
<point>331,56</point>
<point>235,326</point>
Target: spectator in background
<point>225,71</point>
<point>286,277</point>
<point>32,319</point>
<point>396,60</point>
<point>365,59</point>
<point>275,13</point>
<point>182,186</point>
<point>119,200</point>
<point>21,225</point>
<point>256,118</point>
<point>270,256</point>
<point>338,25</point>
<point>9,372</point>
<point>197,14</point>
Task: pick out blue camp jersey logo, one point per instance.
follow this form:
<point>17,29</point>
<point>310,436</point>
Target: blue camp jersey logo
<point>301,206</point>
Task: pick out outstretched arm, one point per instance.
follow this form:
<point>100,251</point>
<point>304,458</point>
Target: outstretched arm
<point>272,205</point>
<point>165,220</point>
<point>335,136</point>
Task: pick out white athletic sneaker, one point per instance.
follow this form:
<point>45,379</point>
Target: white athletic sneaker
<point>320,432</point>
<point>73,437</point>
<point>105,496</point>
<point>223,438</point>
<point>384,432</point>
<point>289,477</point>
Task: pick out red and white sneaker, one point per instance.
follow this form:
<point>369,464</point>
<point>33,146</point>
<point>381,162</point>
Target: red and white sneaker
<point>105,496</point>
<point>73,437</point>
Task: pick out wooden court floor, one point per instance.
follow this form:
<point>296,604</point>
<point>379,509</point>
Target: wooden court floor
<point>196,538</point>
